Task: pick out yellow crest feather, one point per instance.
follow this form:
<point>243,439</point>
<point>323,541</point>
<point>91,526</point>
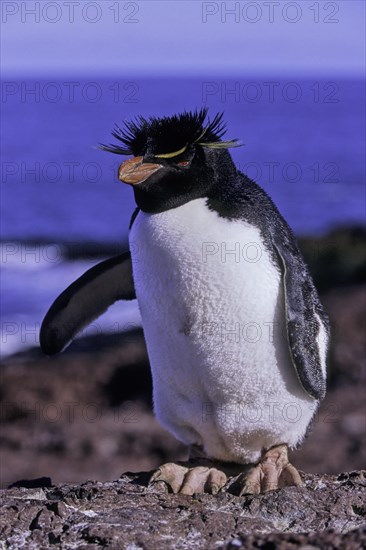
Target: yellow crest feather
<point>171,155</point>
<point>221,144</point>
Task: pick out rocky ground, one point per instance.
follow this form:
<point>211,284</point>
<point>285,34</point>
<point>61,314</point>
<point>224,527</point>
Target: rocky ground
<point>127,514</point>
<point>86,414</point>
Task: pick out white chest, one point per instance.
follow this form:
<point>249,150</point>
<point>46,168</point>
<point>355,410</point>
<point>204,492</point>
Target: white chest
<point>212,310</point>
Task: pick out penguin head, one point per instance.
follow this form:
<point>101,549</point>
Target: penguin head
<point>175,159</point>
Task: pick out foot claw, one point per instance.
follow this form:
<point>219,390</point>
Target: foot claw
<point>187,481</point>
<point>290,476</point>
<point>272,472</point>
<point>249,484</point>
<point>216,479</point>
<point>172,474</point>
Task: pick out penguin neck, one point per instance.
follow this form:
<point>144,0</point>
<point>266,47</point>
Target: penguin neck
<point>230,193</point>
<point>227,182</point>
<point>162,200</point>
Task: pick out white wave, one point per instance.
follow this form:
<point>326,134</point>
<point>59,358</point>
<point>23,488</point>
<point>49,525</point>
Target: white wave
<point>28,289</point>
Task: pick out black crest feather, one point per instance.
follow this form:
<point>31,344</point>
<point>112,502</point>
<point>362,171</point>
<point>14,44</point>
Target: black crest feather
<point>168,134</point>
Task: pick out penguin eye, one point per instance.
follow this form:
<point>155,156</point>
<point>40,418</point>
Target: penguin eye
<point>183,163</point>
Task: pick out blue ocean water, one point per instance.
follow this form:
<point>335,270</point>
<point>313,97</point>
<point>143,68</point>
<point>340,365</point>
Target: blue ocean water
<point>304,143</point>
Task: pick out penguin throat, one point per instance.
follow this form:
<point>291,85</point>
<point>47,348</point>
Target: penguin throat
<point>160,200</point>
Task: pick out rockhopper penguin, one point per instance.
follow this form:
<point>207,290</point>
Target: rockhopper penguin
<point>236,335</point>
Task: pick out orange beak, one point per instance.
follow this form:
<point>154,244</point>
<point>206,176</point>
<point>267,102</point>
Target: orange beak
<point>134,171</point>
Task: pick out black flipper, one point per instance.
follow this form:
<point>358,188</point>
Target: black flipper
<point>304,314</point>
<point>85,300</point>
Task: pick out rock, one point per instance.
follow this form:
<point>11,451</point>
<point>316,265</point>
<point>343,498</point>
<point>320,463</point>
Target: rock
<point>337,259</point>
<point>328,512</point>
